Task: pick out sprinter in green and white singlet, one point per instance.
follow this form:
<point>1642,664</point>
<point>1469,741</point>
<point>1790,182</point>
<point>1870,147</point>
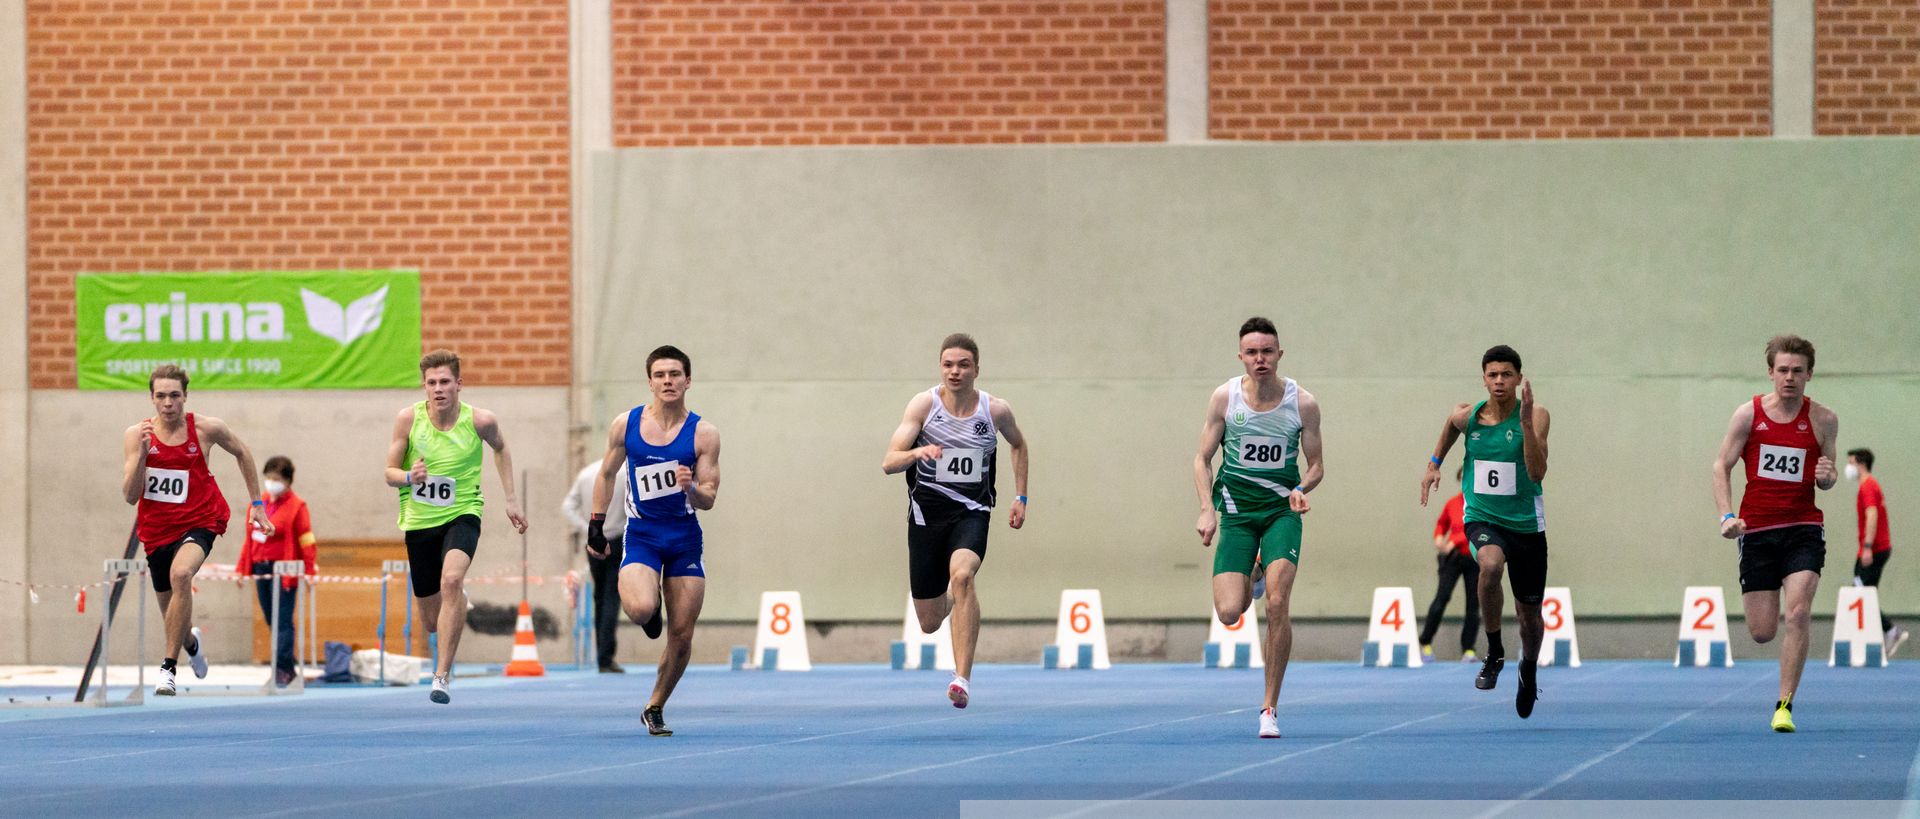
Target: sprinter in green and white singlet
<point>1506,519</point>
<point>1270,428</point>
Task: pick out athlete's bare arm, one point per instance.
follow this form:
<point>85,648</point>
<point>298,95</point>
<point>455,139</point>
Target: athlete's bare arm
<point>1826,427</point>
<point>1730,449</point>
<point>702,482</point>
<point>399,472</point>
<point>615,458</point>
<point>1213,430</point>
<point>488,427</point>
<point>901,453</point>
<point>1533,433</point>
<point>1017,440</point>
<point>1449,432</point>
<point>134,443</point>
<point>1310,451</point>
<point>215,432</point>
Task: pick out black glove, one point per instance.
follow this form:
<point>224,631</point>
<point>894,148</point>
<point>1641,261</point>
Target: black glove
<point>596,539</point>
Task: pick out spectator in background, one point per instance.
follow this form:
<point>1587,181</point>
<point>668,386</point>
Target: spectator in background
<point>1874,545</point>
<point>291,539</point>
<point>605,568</point>
<point>1456,563</point>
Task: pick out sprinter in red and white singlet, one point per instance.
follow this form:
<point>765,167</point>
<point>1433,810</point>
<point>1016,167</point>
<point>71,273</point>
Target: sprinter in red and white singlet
<point>1787,441</point>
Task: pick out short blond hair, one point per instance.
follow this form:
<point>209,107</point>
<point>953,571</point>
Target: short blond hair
<point>441,358</point>
<point>1791,345</point>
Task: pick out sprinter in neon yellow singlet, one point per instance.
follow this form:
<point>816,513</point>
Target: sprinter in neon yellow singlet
<point>434,464</point>
<point>1268,425</point>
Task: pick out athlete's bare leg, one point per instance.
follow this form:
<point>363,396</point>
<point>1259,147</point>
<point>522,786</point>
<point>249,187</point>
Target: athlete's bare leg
<point>1763,614</point>
<point>685,596</point>
<point>1231,593</point>
<point>639,592</point>
<point>176,606</point>
<point>961,568</point>
<point>1493,599</point>
<point>1798,591</point>
<point>449,620</point>
<point>1279,599</point>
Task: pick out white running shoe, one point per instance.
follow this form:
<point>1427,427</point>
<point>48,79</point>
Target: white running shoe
<point>439,693</point>
<point>198,656</point>
<point>1269,724</point>
<point>1895,636</point>
<point>957,691</point>
<point>165,688</point>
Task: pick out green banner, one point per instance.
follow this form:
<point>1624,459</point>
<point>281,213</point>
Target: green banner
<point>333,329</point>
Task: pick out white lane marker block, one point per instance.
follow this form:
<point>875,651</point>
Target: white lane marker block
<point>1391,636</point>
<point>1857,641</point>
<point>1237,645</point>
<point>780,640</point>
<point>1080,640</point>
<point>917,650</point>
<point>1559,645</point>
<point>1703,629</point>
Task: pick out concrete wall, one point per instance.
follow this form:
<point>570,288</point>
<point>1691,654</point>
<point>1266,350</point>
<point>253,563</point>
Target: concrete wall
<point>13,327</point>
<point>337,441</point>
<point>1640,280</point>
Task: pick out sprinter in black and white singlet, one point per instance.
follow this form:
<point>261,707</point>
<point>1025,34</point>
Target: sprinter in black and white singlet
<point>946,444</point>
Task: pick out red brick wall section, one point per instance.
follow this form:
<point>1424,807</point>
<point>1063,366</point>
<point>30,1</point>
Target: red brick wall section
<point>1489,69</point>
<point>1867,67</point>
<point>887,72</point>
<point>308,134</point>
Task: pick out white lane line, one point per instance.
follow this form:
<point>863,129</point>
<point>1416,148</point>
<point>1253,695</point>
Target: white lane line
<point>1582,767</point>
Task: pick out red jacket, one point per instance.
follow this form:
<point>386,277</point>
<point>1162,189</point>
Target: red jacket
<point>292,536</point>
<point>1453,523</point>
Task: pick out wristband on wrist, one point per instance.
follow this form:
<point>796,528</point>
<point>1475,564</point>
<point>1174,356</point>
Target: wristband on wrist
<point>1302,489</point>
<point>259,503</point>
<point>1433,459</point>
<point>409,479</point>
<point>1020,498</point>
<point>599,517</point>
<point>1726,517</point>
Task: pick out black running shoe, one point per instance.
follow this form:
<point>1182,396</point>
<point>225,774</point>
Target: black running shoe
<point>656,721</point>
<point>1529,692</point>
<point>652,625</point>
<point>1489,673</point>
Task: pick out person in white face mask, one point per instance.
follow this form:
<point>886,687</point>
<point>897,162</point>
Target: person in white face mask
<point>1871,507</point>
<point>291,539</point>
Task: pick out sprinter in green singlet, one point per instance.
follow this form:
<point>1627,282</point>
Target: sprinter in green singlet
<point>1267,425</point>
<point>434,463</point>
<point>1506,520</point>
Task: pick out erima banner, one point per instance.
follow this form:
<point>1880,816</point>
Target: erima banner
<point>338,329</point>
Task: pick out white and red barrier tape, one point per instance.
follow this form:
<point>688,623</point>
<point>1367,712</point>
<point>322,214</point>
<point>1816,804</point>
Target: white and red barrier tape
<point>570,580</point>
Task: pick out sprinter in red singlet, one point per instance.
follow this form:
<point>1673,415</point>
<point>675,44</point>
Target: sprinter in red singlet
<point>181,509</point>
<point>1787,441</point>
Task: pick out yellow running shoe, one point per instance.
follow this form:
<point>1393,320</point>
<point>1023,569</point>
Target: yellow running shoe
<point>1783,716</point>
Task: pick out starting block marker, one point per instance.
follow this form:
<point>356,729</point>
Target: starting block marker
<point>1237,645</point>
<point>1856,629</point>
<point>1703,629</point>
<point>1080,640</point>
<point>780,640</point>
<point>1559,645</point>
<point>920,651</point>
<point>1391,637</point>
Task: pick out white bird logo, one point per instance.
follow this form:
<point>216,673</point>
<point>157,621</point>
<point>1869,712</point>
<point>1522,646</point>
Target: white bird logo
<point>357,319</point>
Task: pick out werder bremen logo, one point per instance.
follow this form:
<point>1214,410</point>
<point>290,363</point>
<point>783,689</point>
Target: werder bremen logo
<point>357,319</point>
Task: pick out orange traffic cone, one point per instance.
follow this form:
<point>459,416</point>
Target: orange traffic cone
<point>526,655</point>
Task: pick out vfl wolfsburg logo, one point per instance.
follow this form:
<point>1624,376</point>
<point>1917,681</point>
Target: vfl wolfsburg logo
<point>1240,419</point>
<point>344,324</point>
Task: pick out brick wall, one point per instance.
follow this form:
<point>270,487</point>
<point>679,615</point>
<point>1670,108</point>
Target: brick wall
<point>1489,69</point>
<point>1867,67</point>
<point>780,72</point>
<point>308,134</point>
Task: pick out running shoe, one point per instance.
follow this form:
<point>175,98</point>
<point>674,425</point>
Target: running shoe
<point>165,688</point>
<point>440,694</point>
<point>1469,657</point>
<point>1426,652</point>
<point>1783,716</point>
<point>1529,693</point>
<point>1489,673</point>
<point>1269,724</point>
<point>653,624</point>
<point>655,718</point>
<point>197,655</point>
<point>957,691</point>
<point>1895,636</point>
